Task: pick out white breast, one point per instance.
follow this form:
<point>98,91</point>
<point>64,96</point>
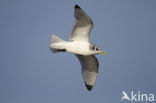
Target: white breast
<point>78,47</point>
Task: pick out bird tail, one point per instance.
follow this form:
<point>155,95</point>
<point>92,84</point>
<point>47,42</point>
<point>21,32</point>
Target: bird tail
<point>55,39</point>
<point>56,44</point>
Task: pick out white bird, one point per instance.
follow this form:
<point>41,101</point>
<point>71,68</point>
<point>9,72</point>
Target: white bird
<point>80,45</point>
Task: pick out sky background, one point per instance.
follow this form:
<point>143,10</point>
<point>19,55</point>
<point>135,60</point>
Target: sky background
<point>30,73</point>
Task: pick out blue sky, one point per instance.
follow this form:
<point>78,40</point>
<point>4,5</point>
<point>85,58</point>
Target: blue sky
<point>30,73</point>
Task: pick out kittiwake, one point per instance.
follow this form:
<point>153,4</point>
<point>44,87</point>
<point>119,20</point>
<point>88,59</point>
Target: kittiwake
<point>80,45</point>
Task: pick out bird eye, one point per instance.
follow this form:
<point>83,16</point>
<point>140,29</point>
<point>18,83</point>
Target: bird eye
<point>97,49</point>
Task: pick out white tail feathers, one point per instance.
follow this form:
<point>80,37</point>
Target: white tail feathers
<point>55,39</point>
<point>56,45</point>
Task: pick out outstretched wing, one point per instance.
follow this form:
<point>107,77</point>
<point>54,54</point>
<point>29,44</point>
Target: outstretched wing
<point>82,27</point>
<point>89,69</point>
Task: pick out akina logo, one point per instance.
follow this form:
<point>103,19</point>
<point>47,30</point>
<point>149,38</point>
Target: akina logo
<point>137,97</point>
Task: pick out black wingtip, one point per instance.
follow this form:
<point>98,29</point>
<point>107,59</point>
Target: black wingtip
<point>89,87</point>
<point>76,6</point>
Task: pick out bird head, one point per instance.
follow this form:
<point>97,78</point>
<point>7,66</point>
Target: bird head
<point>97,50</point>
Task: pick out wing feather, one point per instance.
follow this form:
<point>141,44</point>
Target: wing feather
<point>89,69</point>
<point>82,26</point>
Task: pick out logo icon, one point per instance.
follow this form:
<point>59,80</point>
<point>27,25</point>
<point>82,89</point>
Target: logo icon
<point>125,96</point>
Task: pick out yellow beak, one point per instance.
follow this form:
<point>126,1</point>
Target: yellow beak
<point>104,53</point>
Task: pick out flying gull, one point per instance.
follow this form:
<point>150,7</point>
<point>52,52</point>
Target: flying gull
<point>80,45</point>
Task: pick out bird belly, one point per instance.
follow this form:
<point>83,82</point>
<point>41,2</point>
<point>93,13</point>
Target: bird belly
<point>81,48</point>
